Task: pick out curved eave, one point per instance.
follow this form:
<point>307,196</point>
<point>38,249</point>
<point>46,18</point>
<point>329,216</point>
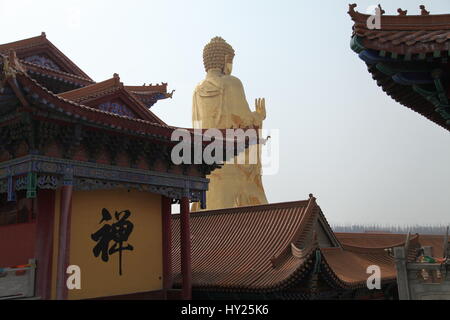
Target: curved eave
<point>403,22</point>
<point>406,96</point>
<point>95,116</point>
<point>419,82</point>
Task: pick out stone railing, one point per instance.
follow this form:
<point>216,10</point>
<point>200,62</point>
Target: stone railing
<point>16,283</point>
<point>423,280</point>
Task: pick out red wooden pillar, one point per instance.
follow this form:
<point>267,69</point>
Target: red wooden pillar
<point>44,242</point>
<point>186,267</point>
<point>64,241</point>
<point>166,213</point>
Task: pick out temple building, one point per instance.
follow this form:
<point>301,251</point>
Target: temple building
<point>285,251</point>
<point>86,182</point>
<point>408,57</point>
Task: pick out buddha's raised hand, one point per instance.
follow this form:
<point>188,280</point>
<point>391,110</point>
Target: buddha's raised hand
<point>260,106</point>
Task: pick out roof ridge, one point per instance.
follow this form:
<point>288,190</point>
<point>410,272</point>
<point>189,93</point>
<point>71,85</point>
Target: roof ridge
<point>42,40</point>
<point>243,209</point>
<point>397,244</point>
<point>308,215</point>
<point>105,87</point>
<point>32,41</point>
<point>401,22</point>
<point>75,104</point>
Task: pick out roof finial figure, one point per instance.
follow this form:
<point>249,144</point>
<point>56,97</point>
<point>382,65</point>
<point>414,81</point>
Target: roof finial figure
<point>424,11</point>
<point>351,8</point>
<point>11,66</point>
<point>43,34</point>
<point>170,95</point>
<point>381,9</point>
<point>402,12</point>
<point>14,61</point>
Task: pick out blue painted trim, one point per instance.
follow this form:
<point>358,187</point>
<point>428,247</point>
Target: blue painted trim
<point>71,172</point>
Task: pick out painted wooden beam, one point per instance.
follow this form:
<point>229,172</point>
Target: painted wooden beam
<point>186,264</point>
<point>64,241</point>
<point>44,243</point>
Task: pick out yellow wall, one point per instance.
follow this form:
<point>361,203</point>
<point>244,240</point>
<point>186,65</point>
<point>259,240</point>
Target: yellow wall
<point>141,268</point>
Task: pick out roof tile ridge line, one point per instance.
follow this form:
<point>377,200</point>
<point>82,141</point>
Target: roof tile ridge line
<point>42,40</point>
<point>27,43</point>
<point>328,226</point>
<point>93,96</point>
<point>308,214</point>
<point>397,244</point>
<point>90,86</point>
<point>57,71</point>
<point>27,40</point>
<point>89,108</point>
<point>66,58</point>
<point>151,85</point>
<point>356,14</point>
<point>286,204</point>
<point>116,85</point>
<point>143,106</point>
<point>427,20</point>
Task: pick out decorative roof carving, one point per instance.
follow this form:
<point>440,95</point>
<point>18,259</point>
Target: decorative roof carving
<point>424,11</point>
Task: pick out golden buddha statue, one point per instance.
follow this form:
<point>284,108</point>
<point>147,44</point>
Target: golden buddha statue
<point>219,102</point>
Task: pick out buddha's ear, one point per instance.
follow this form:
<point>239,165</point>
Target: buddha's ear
<point>225,62</point>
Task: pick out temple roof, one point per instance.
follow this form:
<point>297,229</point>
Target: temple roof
<point>55,71</point>
<point>404,34</point>
<point>384,240</point>
<point>94,106</point>
<point>150,94</point>
<point>16,77</point>
<point>272,247</point>
<point>39,51</point>
<point>112,95</point>
<point>408,58</point>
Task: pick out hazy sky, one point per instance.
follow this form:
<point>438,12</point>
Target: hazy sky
<point>365,157</point>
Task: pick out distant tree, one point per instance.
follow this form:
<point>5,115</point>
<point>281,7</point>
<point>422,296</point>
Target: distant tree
<point>403,229</point>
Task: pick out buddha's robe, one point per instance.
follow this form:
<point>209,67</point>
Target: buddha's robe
<point>219,102</point>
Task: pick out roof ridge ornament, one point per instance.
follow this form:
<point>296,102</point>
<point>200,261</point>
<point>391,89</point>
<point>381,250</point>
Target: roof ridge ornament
<point>381,10</point>
<point>423,11</point>
<point>351,8</point>
<point>117,82</point>
<point>11,66</point>
<point>170,95</point>
<point>402,12</point>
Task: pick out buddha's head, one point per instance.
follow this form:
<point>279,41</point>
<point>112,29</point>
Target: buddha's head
<point>218,54</point>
